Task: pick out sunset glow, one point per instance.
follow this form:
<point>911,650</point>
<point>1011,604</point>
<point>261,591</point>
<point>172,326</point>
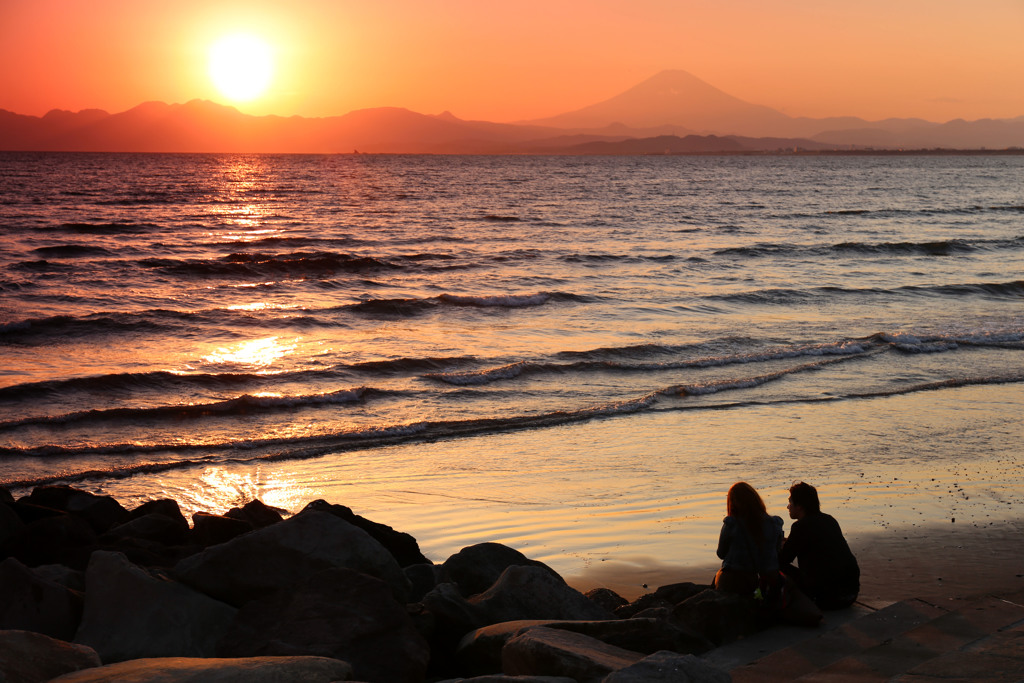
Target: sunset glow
<point>241,66</point>
<point>937,60</point>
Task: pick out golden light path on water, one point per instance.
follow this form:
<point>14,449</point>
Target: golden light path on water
<point>646,494</point>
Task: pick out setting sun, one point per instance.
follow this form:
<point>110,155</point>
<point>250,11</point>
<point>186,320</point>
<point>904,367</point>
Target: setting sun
<point>241,66</point>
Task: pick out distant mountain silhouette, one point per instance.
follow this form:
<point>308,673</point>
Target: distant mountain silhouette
<point>202,126</point>
<point>672,112</point>
<point>675,98</point>
<point>676,102</point>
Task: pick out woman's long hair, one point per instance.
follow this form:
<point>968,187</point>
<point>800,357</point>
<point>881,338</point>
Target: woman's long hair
<point>743,502</point>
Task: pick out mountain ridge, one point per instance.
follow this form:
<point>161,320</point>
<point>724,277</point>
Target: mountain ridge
<point>671,104</point>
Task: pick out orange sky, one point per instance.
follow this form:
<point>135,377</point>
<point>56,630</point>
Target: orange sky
<point>506,61</point>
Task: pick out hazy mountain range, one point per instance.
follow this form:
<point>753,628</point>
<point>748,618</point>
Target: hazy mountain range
<point>673,112</point>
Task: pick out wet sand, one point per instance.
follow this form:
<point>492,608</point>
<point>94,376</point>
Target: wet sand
<point>937,564</point>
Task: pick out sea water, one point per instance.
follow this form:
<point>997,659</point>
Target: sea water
<point>572,355</point>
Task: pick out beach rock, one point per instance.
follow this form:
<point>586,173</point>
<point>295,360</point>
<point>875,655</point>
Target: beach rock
<point>30,513</point>
<point>31,603</point>
<point>451,618</point>
<point>101,512</point>
<point>27,657</point>
<point>162,506</point>
<point>645,636</point>
<point>283,554</point>
<point>544,651</point>
<point>256,513</point>
<point>606,598</point>
<point>5,496</point>
<point>337,613</point>
<point>422,579</point>
<point>719,616</point>
<point>506,678</point>
<point>664,597</point>
<point>155,526</point>
<point>57,539</point>
<point>209,529</point>
<point>73,579</point>
<point>479,651</point>
<point>669,667</point>
<point>521,593</point>
<point>190,670</point>
<point>402,546</point>
<point>10,523</point>
<point>475,568</point>
<point>531,592</point>
<point>131,613</point>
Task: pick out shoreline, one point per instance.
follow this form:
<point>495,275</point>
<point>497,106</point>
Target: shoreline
<point>937,564</point>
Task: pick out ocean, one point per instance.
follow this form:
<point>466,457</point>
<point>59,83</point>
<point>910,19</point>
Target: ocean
<point>572,355</point>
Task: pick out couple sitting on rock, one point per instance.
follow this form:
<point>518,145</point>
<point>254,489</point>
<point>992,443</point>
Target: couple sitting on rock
<point>757,558</point>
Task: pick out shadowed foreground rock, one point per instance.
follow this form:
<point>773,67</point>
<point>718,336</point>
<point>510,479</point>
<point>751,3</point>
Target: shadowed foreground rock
<point>480,650</point>
<point>31,603</point>
<point>325,595</point>
<point>280,555</point>
<point>131,613</point>
<point>668,667</point>
<point>337,613</point>
<point>475,568</point>
<point>548,651</point>
<point>27,657</point>
<point>184,670</point>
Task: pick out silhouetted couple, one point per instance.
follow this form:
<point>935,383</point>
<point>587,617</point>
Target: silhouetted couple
<point>757,557</point>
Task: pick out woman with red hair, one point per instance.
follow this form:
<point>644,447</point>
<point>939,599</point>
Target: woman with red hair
<point>749,543</point>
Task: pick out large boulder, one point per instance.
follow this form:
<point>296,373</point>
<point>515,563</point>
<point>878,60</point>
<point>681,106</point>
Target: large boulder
<point>209,529</point>
<point>283,554</point>
<point>544,651</point>
<point>520,593</point>
<point>31,603</point>
<point>422,579</point>
<point>27,657</point>
<point>131,613</point>
<point>480,651</point>
<point>669,667</point>
<point>155,526</point>
<point>606,598</point>
<point>475,568</point>
<point>531,592</point>
<point>10,523</point>
<point>65,576</point>
<point>189,670</point>
<point>508,678</point>
<point>101,512</point>
<point>256,513</point>
<point>167,507</point>
<point>664,597</point>
<point>402,546</point>
<point>336,613</point>
<point>719,616</point>
<point>53,539</point>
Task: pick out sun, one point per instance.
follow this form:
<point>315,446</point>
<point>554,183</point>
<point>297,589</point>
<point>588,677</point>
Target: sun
<point>241,66</point>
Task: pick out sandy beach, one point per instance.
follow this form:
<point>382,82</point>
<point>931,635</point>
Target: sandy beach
<point>936,564</point>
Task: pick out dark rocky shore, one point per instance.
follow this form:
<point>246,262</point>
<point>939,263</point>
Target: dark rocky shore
<point>90,591</point>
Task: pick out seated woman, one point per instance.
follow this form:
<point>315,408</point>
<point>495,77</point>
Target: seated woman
<point>749,543</point>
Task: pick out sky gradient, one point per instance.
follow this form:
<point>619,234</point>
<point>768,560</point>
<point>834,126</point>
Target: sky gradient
<point>935,59</point>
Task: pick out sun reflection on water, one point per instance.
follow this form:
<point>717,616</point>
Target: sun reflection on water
<point>257,353</point>
<point>217,490</point>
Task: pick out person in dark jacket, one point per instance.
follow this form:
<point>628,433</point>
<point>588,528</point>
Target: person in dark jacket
<point>827,570</point>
